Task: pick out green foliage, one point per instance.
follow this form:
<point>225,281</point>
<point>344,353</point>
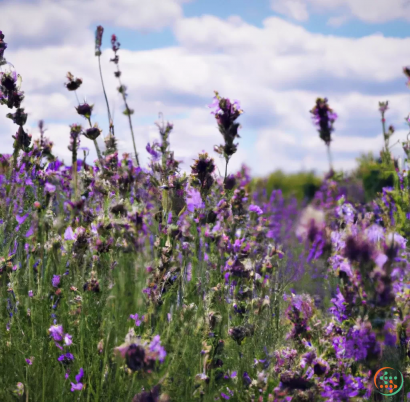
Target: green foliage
<point>374,174</point>
<point>301,185</point>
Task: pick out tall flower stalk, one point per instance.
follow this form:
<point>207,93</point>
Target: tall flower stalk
<point>226,114</point>
<point>12,97</point>
<point>323,117</point>
<point>73,84</point>
<point>98,41</point>
<point>383,107</point>
<point>122,90</point>
<point>93,132</point>
<point>75,133</point>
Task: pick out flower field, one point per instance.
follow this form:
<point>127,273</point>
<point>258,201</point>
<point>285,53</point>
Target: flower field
<point>121,282</point>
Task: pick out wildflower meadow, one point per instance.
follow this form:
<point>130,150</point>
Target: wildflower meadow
<point>123,282</point>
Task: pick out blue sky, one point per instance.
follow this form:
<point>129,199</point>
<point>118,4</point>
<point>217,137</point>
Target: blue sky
<point>275,56</point>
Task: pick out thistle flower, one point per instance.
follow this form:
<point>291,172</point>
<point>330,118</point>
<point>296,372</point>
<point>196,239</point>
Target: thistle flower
<point>85,110</point>
<point>73,83</point>
<point>92,133</point>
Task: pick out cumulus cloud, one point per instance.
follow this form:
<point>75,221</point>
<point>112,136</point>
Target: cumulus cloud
<point>371,11</point>
<point>44,22</point>
<point>276,71</point>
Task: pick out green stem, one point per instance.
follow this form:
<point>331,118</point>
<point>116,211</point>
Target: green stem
<point>96,144</point>
<point>129,119</point>
<point>76,96</point>
<point>329,156</point>
<point>226,167</point>
<point>98,149</point>
<point>110,124</point>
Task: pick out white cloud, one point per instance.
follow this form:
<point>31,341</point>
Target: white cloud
<point>265,68</point>
<point>371,11</point>
<point>32,22</point>
<point>295,9</point>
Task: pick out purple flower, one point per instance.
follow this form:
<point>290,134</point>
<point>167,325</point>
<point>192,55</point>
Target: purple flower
<point>56,281</point>
<point>76,387</point>
<point>246,379</point>
<point>66,359</point>
<point>152,151</point>
<point>21,219</point>
<point>50,188</point>
<point>30,232</point>
<point>390,337</point>
<point>135,318</point>
<point>323,117</point>
<point>155,346</point>
<point>29,362</point>
<point>224,396</point>
<point>339,306</point>
<point>56,332</point>
<point>360,343</point>
<point>80,375</point>
<point>189,272</point>
<point>69,234</point>
<point>194,200</point>
<point>30,293</point>
<point>85,110</point>
<point>255,208</point>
